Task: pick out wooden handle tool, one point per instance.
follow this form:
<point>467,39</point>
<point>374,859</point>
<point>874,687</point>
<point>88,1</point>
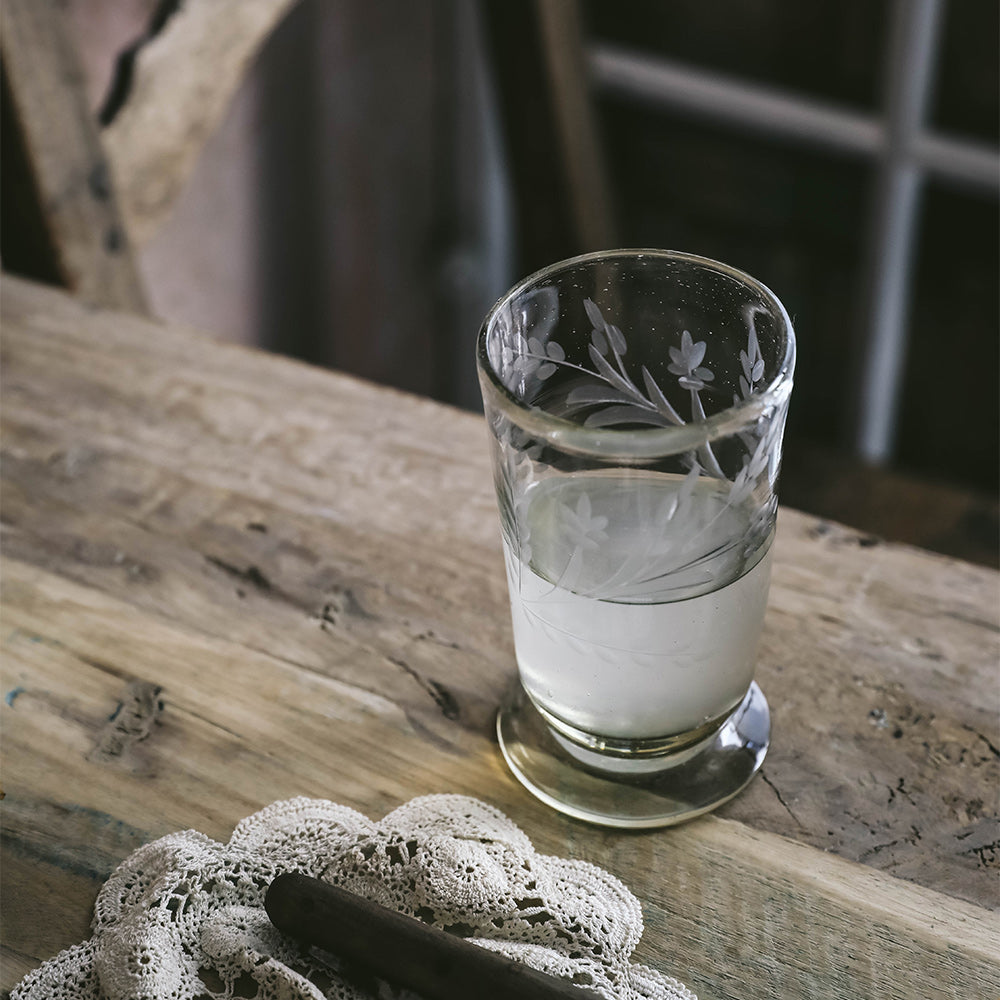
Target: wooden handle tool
<point>403,950</point>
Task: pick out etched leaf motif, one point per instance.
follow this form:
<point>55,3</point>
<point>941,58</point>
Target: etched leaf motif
<point>609,374</point>
<point>686,363</point>
<point>753,466</point>
<point>685,493</point>
<point>616,339</point>
<point>660,401</point>
<point>677,504</point>
<point>594,314</point>
<point>751,360</point>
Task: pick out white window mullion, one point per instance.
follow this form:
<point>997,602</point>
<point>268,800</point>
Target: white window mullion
<point>909,73</point>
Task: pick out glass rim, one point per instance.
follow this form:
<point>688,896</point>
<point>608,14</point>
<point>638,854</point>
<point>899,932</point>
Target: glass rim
<point>635,444</point>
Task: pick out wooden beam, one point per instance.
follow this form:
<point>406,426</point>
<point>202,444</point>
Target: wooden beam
<point>85,239</point>
<point>182,81</point>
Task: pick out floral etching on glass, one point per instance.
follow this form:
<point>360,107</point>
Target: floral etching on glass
<point>618,394</point>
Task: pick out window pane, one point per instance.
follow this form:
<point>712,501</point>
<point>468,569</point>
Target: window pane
<point>793,218</point>
<point>830,49</point>
<point>967,94</point>
<point>949,421</point>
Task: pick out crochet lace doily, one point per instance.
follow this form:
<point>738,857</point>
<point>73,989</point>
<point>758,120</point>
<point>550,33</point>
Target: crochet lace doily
<point>183,918</point>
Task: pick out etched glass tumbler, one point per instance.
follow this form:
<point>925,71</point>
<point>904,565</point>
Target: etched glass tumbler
<point>636,401</point>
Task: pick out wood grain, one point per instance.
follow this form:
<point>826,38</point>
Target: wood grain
<point>305,569</point>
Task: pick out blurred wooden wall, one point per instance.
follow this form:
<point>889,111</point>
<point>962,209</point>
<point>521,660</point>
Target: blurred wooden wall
<point>383,206</point>
<point>351,209</point>
<point>200,267</point>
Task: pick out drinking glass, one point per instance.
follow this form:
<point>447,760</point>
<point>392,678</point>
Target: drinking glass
<point>636,401</point>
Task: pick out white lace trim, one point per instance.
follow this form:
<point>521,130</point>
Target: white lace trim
<point>183,918</point>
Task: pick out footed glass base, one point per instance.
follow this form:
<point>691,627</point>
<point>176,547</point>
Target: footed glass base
<point>651,792</point>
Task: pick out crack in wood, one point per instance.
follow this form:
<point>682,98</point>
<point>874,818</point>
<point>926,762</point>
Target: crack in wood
<point>975,732</point>
<point>986,855</point>
<point>106,668</point>
<point>909,839</point>
<point>443,698</point>
<point>774,788</point>
<point>876,848</point>
<point>431,636</point>
<point>251,574</point>
<point>900,789</point>
<point>873,829</point>
<point>124,71</point>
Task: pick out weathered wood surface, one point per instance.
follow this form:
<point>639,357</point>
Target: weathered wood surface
<point>73,184</point>
<point>182,82</point>
<point>291,582</point>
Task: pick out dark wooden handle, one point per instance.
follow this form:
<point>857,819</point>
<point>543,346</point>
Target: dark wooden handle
<point>403,950</point>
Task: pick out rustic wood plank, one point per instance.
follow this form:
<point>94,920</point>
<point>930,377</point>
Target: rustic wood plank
<point>725,905</point>
<point>183,80</point>
<point>308,567</point>
<point>88,244</point>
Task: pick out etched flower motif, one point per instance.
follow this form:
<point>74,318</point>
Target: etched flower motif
<point>522,358</point>
<point>686,362</point>
<point>518,357</point>
<point>541,358</point>
<point>508,355</point>
<point>585,530</point>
